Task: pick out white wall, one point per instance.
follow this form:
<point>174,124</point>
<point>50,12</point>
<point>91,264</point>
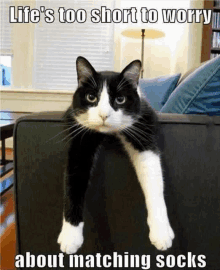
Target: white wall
<point>178,51</point>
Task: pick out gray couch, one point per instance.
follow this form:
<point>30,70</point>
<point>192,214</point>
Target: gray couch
<point>115,214</point>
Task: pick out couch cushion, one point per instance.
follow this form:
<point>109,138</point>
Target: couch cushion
<point>199,93</point>
<point>158,90</point>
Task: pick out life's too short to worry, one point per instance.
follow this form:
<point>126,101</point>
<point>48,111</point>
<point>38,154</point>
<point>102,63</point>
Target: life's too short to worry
<point>24,14</point>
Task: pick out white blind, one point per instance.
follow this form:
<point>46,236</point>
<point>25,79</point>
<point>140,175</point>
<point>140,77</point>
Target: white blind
<point>5,28</point>
<point>57,45</point>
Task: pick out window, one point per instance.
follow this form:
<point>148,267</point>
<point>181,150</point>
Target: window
<point>5,70</point>
<point>57,45</point>
<point>5,44</point>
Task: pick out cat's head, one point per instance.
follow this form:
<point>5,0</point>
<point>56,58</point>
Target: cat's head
<point>106,101</point>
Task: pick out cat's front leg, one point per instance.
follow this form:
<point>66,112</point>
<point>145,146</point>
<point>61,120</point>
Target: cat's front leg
<point>79,166</point>
<point>71,235</point>
<point>149,172</point>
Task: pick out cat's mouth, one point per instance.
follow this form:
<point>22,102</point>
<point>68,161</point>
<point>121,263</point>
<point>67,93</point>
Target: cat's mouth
<point>105,128</point>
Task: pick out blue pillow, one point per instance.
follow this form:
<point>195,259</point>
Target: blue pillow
<point>158,90</point>
<point>199,93</point>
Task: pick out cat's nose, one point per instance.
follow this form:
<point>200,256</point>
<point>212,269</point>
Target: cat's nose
<point>104,116</point>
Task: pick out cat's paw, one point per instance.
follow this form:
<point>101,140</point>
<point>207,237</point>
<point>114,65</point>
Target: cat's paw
<point>70,237</point>
<point>161,237</point>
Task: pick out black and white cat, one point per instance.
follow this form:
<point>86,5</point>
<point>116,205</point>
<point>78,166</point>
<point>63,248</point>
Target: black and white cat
<point>111,103</point>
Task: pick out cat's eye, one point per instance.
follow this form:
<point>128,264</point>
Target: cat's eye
<point>120,100</point>
<point>91,98</point>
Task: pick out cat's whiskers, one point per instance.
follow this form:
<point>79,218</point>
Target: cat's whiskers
<point>141,117</point>
<point>145,127</point>
<point>79,131</point>
<point>72,126</point>
<point>141,138</point>
<point>136,134</point>
<point>144,123</point>
<point>71,133</point>
<point>86,130</point>
<point>140,130</point>
<point>85,123</point>
<point>141,134</point>
<point>130,133</point>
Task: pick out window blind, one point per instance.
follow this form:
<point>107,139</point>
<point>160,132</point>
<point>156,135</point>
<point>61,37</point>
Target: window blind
<point>57,45</point>
<point>5,28</point>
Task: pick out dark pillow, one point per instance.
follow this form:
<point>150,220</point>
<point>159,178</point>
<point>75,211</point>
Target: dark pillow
<point>157,90</point>
<point>199,93</point>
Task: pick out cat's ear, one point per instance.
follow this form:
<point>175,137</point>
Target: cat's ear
<point>132,72</point>
<point>84,70</point>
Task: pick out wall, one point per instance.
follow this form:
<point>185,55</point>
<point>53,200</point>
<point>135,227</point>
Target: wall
<point>178,51</point>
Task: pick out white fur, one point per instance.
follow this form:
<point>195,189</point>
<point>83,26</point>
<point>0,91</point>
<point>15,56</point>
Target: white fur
<point>148,169</point>
<point>71,237</point>
<point>103,117</point>
<point>104,109</point>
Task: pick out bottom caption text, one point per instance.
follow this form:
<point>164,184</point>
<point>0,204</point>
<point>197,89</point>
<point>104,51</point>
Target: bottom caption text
<point>114,260</point>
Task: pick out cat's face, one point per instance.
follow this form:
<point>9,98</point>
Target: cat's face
<point>106,101</point>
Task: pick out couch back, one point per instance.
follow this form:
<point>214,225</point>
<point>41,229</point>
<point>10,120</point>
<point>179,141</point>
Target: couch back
<point>115,214</point>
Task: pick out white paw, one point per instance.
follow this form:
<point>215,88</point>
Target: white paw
<point>70,237</point>
<point>161,236</point>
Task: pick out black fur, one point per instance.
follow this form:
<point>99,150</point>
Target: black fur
<point>83,146</point>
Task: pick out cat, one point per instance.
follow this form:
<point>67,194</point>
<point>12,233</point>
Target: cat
<point>111,103</point>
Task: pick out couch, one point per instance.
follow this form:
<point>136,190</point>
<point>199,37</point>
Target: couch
<point>115,214</point>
